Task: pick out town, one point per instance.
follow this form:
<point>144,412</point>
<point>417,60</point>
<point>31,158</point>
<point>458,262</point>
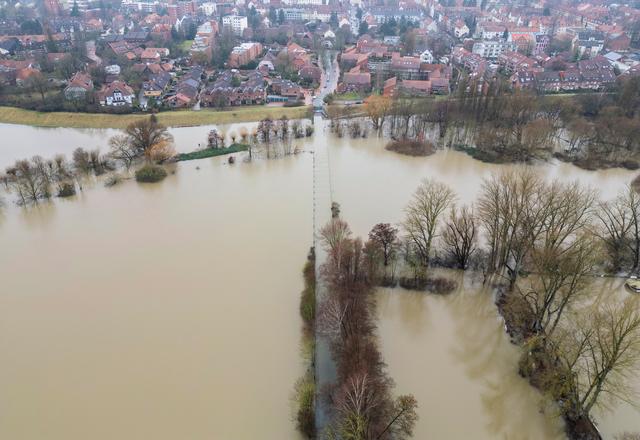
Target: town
<point>459,180</point>
<point>149,55</point>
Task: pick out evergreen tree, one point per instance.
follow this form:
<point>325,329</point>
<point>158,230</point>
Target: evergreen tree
<point>333,20</point>
<point>75,11</point>
<point>273,15</point>
<point>363,28</point>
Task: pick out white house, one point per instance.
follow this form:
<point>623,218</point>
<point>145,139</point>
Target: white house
<point>460,30</point>
<point>426,57</point>
<point>116,94</point>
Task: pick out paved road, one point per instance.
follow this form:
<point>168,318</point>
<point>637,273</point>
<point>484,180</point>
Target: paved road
<point>91,52</point>
<point>329,81</point>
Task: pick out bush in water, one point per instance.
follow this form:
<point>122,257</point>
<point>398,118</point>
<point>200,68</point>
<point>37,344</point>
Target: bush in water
<point>151,173</point>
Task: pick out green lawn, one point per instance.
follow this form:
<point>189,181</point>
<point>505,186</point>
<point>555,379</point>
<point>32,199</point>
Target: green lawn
<point>176,118</point>
<point>186,45</point>
<point>211,152</point>
<point>348,96</point>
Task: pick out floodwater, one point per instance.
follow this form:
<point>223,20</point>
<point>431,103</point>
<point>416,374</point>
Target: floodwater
<point>427,340</point>
<point>25,142</point>
<point>171,310</point>
<point>167,311</point>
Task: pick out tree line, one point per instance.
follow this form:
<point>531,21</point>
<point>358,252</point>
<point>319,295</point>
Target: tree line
<point>361,402</point>
<point>497,124</point>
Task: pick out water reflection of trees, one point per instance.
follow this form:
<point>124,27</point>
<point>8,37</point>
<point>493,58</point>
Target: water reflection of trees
<point>489,360</point>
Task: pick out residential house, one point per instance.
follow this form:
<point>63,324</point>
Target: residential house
<point>286,88</point>
<point>156,85</point>
<point>23,75</point>
<point>356,81</point>
<point>229,89</point>
<point>116,94</point>
<point>153,54</point>
<point>460,29</point>
<point>514,61</point>
<point>79,86</point>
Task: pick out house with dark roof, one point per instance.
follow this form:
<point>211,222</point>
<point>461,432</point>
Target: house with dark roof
<point>156,85</point>
<point>230,89</point>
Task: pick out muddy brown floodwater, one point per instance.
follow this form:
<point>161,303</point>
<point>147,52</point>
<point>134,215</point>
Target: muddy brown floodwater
<point>171,310</point>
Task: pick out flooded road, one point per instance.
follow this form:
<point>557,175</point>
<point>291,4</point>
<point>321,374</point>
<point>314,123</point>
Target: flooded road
<point>171,310</point>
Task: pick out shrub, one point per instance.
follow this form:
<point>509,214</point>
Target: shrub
<point>305,390</point>
<point>308,297</point>
<point>66,189</point>
<point>150,173</point>
<point>411,148</point>
<point>112,180</point>
<point>412,283</point>
<point>441,285</point>
<point>308,130</point>
<point>437,285</point>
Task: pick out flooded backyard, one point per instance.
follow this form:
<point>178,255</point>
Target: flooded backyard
<point>171,310</point>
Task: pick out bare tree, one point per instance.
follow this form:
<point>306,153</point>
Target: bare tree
<point>620,228</point>
<point>81,161</point>
<point>403,418</point>
<point>459,235</point>
<point>423,213</point>
<point>122,151</point>
<point>148,134</point>
<point>511,208</point>
<point>378,109</point>
<point>562,275</point>
<point>386,236</point>
<point>335,235</point>
<point>602,352</point>
<point>283,127</point>
<point>39,83</point>
<point>29,181</point>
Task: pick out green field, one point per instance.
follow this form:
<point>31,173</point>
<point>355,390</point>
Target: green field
<point>176,118</point>
<point>211,152</point>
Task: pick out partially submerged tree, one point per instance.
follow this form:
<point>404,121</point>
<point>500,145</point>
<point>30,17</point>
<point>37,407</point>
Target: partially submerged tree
<point>562,276</point>
<point>460,235</point>
<point>122,151</point>
<point>29,180</point>
<point>147,137</point>
<point>511,211</point>
<point>619,229</point>
<point>378,108</point>
<point>602,353</point>
<point>423,213</point>
<point>385,236</point>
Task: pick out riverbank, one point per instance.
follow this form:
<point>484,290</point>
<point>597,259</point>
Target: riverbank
<point>537,364</point>
<point>176,118</point>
